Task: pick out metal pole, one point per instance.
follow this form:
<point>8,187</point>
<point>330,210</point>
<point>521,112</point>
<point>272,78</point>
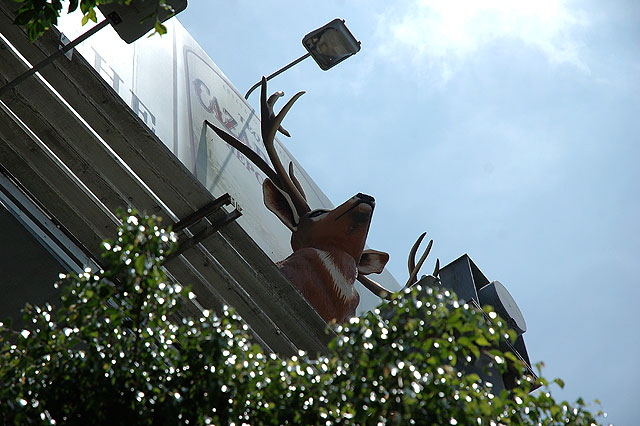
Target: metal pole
<point>46,61</point>
<point>280,71</point>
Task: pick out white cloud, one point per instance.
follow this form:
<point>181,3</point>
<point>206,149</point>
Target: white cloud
<point>443,33</point>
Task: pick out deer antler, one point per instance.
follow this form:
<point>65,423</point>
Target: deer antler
<point>375,287</point>
<point>415,268</point>
<point>270,124</point>
<point>246,151</point>
<point>295,180</point>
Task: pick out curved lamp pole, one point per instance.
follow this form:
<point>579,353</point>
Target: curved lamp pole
<point>328,45</point>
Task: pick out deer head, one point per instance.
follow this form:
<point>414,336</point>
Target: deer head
<point>328,245</point>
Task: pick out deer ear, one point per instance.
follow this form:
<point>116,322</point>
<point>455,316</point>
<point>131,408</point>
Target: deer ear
<point>372,262</point>
<point>280,204</point>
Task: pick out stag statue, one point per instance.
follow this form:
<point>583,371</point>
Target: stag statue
<point>328,245</point>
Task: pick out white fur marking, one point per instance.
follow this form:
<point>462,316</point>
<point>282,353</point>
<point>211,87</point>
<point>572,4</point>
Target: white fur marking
<point>345,288</point>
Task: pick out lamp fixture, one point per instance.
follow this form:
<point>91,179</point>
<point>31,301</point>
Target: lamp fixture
<point>328,46</point>
<point>331,44</point>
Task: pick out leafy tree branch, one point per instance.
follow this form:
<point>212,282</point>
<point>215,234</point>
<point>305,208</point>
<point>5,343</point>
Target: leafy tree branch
<point>116,350</point>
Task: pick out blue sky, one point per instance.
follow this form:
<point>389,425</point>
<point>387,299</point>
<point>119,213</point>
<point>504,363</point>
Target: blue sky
<point>506,129</point>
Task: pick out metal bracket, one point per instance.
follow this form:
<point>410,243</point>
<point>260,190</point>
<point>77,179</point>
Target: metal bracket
<point>214,224</point>
<point>64,40</point>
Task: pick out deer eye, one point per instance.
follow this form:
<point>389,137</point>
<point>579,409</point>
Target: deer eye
<point>318,212</point>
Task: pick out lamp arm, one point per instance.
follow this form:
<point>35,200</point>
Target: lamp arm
<point>111,19</point>
<point>280,71</point>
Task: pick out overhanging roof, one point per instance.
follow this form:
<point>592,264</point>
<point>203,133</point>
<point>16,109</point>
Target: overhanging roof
<point>80,152</point>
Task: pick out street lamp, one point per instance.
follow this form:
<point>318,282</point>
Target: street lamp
<point>328,45</point>
<point>138,17</point>
<point>131,21</point>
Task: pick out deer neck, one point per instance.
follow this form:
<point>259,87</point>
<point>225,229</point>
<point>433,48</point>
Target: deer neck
<point>342,269</point>
<point>321,272</point>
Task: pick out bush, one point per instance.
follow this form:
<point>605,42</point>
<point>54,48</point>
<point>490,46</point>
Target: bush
<point>116,351</point>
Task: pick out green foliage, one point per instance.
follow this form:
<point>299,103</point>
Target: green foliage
<point>37,16</point>
<point>115,351</point>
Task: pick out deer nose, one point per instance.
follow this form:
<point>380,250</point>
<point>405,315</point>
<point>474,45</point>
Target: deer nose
<point>366,198</point>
